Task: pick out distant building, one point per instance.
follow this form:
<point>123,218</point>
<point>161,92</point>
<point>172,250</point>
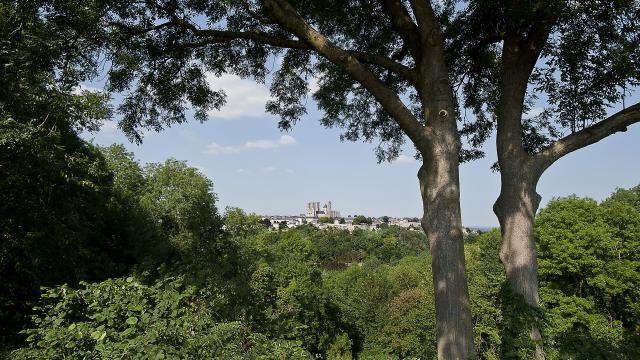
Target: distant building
<point>315,211</point>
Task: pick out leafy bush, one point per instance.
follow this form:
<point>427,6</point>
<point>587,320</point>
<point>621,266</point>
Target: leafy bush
<point>590,275</point>
<point>125,318</point>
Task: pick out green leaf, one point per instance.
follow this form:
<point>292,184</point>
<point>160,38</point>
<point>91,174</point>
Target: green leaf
<point>128,331</point>
<point>132,320</point>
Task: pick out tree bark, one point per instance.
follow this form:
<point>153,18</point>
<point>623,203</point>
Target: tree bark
<point>518,201</point>
<point>439,186</point>
<point>516,209</point>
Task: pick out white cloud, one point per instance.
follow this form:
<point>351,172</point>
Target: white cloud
<point>263,144</point>
<point>404,159</point>
<point>217,149</point>
<point>270,144</point>
<point>265,170</point>
<point>245,97</point>
<point>81,87</point>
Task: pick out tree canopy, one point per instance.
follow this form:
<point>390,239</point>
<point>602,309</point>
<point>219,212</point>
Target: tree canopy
<point>166,54</point>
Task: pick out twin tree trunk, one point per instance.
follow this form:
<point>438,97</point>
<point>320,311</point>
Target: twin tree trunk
<point>516,209</point>
<point>440,189</point>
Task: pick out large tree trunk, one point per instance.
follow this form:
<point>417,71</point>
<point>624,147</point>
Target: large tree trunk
<point>516,209</point>
<point>439,185</point>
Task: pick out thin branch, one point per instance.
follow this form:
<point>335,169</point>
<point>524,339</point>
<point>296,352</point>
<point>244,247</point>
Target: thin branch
<point>134,31</point>
<point>404,71</point>
<point>283,13</point>
<point>617,122</point>
<point>211,36</point>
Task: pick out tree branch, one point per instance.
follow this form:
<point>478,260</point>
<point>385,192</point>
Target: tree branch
<point>617,122</point>
<point>519,56</point>
<point>424,15</point>
<point>211,36</point>
<point>432,69</point>
<point>403,71</point>
<point>283,13</point>
<point>133,31</point>
<point>404,25</point>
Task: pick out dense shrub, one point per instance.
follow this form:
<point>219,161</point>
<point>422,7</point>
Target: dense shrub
<point>124,317</point>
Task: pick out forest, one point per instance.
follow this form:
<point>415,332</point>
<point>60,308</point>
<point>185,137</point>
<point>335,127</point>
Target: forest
<point>125,260</point>
<point>103,257</point>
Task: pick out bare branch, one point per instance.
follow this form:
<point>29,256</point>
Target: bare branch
<point>617,122</point>
<point>288,17</point>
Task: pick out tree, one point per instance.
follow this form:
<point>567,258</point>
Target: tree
<point>55,224</point>
<point>131,223</point>
<point>382,70</point>
<point>589,256</point>
<point>53,186</point>
<point>630,197</point>
<point>267,223</point>
<point>181,202</point>
<point>240,225</point>
<point>361,219</point>
<point>582,57</point>
<point>283,225</point>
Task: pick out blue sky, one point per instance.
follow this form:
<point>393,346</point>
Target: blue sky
<point>260,169</point>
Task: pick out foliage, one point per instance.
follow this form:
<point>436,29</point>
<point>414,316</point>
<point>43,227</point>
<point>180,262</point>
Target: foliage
<point>589,271</point>
<point>53,187</point>
<point>181,204</point>
<point>129,221</point>
<point>583,68</point>
<point>390,310</point>
<point>55,226</point>
<point>630,197</point>
<point>339,248</point>
<point>240,225</point>
<point>163,61</point>
<point>73,212</point>
<point>126,317</point>
<point>486,279</point>
<point>45,57</point>
<point>361,220</point>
